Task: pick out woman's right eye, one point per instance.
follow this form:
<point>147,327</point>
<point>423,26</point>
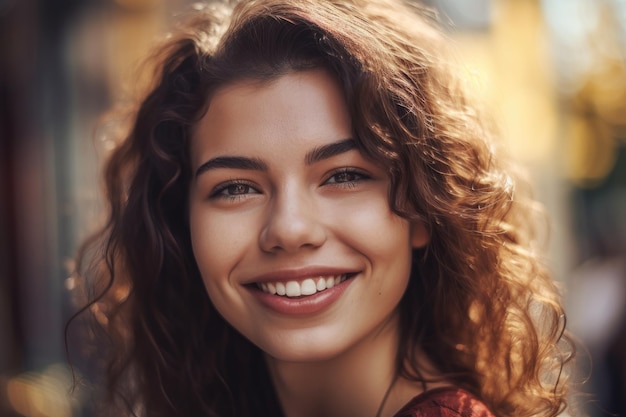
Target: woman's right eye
<point>233,191</point>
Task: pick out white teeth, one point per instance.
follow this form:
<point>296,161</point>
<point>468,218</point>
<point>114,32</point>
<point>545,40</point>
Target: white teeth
<point>293,289</point>
<point>309,286</point>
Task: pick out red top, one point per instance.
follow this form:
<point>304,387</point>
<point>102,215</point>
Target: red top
<point>445,402</point>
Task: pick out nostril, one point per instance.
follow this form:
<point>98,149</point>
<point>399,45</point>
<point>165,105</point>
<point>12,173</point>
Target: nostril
<point>290,230</point>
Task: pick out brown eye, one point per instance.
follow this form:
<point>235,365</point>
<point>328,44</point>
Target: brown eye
<point>346,177</point>
<point>237,189</point>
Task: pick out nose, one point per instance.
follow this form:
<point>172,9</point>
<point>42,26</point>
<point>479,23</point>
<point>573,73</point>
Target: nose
<point>292,223</point>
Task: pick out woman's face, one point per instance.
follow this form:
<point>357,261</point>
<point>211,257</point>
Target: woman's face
<point>290,224</point>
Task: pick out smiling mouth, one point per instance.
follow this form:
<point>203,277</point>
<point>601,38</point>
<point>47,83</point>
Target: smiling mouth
<point>305,287</point>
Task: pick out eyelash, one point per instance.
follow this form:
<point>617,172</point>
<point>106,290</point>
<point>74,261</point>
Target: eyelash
<point>357,174</point>
<point>221,191</point>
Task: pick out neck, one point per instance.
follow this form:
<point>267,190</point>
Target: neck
<point>352,384</point>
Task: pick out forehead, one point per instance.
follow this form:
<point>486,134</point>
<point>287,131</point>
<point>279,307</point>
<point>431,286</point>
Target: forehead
<point>303,106</point>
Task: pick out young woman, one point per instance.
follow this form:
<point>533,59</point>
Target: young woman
<point>308,218</point>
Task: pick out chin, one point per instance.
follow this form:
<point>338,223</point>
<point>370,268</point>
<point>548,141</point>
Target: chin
<point>303,348</point>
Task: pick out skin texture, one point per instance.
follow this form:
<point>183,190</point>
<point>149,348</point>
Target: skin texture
<point>289,214</point>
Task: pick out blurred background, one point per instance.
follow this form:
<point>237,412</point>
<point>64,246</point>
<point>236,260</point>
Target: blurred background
<point>553,72</point>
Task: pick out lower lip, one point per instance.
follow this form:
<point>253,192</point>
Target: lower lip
<point>301,306</point>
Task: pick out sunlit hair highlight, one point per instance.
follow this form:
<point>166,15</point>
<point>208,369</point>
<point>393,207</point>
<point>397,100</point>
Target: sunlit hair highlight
<point>480,302</point>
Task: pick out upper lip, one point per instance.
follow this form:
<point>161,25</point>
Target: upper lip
<point>299,274</point>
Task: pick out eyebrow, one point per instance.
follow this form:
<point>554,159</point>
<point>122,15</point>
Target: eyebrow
<point>330,150</point>
<point>241,162</point>
<point>234,162</point>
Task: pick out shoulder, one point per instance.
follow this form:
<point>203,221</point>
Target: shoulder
<point>445,402</point>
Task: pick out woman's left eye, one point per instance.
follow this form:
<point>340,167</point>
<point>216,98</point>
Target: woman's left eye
<point>346,177</point>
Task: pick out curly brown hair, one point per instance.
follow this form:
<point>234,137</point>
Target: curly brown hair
<point>480,303</point>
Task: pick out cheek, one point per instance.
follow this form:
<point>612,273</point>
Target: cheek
<point>382,238</point>
<point>218,243</point>
<point>372,228</point>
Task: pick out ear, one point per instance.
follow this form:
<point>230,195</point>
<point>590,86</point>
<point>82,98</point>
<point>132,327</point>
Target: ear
<point>420,235</point>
